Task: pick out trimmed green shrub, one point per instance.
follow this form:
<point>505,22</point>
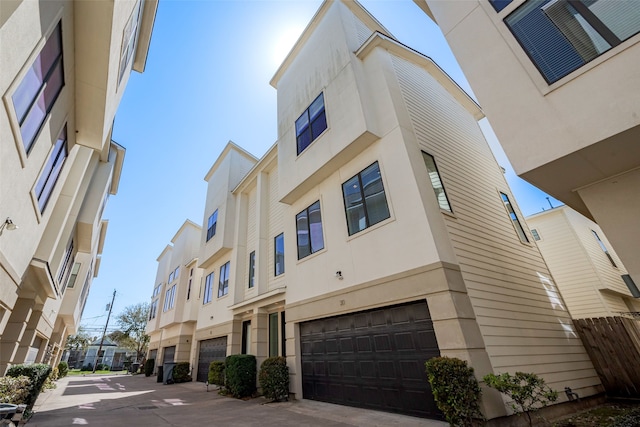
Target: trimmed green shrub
<point>87,367</point>
<point>240,375</point>
<point>274,378</point>
<point>14,390</point>
<point>63,369</point>
<point>102,367</point>
<point>181,372</point>
<point>455,390</point>
<point>148,367</point>
<point>37,373</point>
<point>216,373</point>
<point>528,392</point>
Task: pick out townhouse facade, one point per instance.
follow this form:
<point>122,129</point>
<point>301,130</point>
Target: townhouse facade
<point>558,82</point>
<point>376,233</point>
<point>65,65</point>
<point>584,265</point>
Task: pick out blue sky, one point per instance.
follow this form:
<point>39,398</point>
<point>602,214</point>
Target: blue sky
<point>207,82</point>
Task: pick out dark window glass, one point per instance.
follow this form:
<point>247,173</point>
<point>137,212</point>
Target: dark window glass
<point>223,283</point>
<point>436,183</point>
<point>283,334</point>
<point>252,269</point>
<point>208,289</point>
<point>562,35</point>
<point>310,124</point>
<point>51,173</point>
<point>309,230</point>
<point>246,337</point>
<point>514,218</point>
<point>39,89</point>
<point>273,334</point>
<point>604,248</point>
<point>212,224</point>
<point>278,259</point>
<point>364,199</point>
<point>498,5</point>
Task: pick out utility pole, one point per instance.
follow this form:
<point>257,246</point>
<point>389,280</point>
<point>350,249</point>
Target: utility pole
<point>104,332</point>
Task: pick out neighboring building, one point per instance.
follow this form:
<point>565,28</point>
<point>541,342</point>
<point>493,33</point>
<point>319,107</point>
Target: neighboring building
<point>174,301</point>
<point>65,65</point>
<point>586,269</point>
<point>376,233</point>
<point>107,353</point>
<point>559,82</point>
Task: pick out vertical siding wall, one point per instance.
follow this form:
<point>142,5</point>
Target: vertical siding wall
<point>276,220</point>
<point>521,315</point>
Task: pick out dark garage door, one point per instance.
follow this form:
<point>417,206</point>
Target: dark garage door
<point>210,351</point>
<point>371,359</point>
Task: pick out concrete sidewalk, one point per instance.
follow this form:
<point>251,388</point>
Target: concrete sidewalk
<point>124,400</point>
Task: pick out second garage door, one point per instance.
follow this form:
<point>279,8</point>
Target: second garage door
<point>210,351</point>
<point>371,359</point>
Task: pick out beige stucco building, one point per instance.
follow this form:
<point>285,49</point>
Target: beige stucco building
<point>377,232</point>
<point>559,83</point>
<point>65,65</point>
<point>586,269</point>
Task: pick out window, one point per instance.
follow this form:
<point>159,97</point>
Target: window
<point>436,182</point>
<point>246,337</point>
<point>278,258</point>
<point>273,334</point>
<point>174,274</point>
<point>561,36</point>
<point>156,291</point>
<point>129,35</point>
<point>498,5</point>
<point>169,298</point>
<point>208,289</point>
<point>535,234</point>
<point>39,89</point>
<point>211,225</point>
<point>604,248</point>
<point>74,275</point>
<point>153,310</point>
<point>514,218</point>
<point>310,124</point>
<point>364,199</point>
<point>309,229</point>
<point>189,285</point>
<point>252,269</point>
<point>51,173</point>
<point>223,283</point>
<point>170,277</point>
<point>66,263</point>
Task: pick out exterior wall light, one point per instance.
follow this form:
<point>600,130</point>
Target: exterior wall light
<point>7,225</point>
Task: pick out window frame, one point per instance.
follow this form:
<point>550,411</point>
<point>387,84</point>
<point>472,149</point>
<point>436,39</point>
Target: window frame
<point>169,298</point>
<point>207,296</point>
<point>535,234</point>
<point>363,197</point>
<point>515,219</point>
<point>223,279</point>
<point>310,121</point>
<point>252,270</point>
<point>309,246</point>
<point>51,171</point>
<point>212,225</point>
<point>604,248</point>
<point>436,171</point>
<point>129,40</point>
<point>275,255</point>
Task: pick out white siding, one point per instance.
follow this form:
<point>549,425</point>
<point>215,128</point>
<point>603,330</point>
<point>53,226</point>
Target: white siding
<point>276,220</point>
<point>521,315</point>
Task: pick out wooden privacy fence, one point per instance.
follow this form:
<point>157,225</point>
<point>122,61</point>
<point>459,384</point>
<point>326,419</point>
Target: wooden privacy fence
<point>613,344</point>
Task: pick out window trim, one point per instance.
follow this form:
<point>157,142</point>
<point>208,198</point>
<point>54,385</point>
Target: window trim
<point>223,279</point>
<point>437,172</point>
<point>344,200</point>
<point>604,248</point>
<point>251,282</point>
<point>35,197</point>
<point>508,204</point>
<point>310,123</point>
<point>208,286</point>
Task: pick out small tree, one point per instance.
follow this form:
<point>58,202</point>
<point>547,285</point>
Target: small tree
<point>455,390</point>
<point>528,392</point>
<point>132,334</point>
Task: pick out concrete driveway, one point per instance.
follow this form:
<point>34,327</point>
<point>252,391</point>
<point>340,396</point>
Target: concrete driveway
<point>124,400</point>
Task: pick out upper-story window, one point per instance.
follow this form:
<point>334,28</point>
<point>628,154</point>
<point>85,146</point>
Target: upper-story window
<point>514,218</point>
<point>498,5</point>
<point>535,234</point>
<point>153,310</point>
<point>364,199</point>
<point>604,248</point>
<point>560,36</point>
<point>223,281</point>
<point>156,291</point>
<point>71,282</point>
<point>252,269</point>
<point>436,182</point>
<point>65,266</point>
<point>51,172</point>
<point>174,274</point>
<point>309,230</point>
<point>208,289</point>
<point>39,89</point>
<point>189,285</point>
<point>129,36</point>
<point>211,225</point>
<point>311,124</point>
<point>278,255</point>
<point>170,298</point>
